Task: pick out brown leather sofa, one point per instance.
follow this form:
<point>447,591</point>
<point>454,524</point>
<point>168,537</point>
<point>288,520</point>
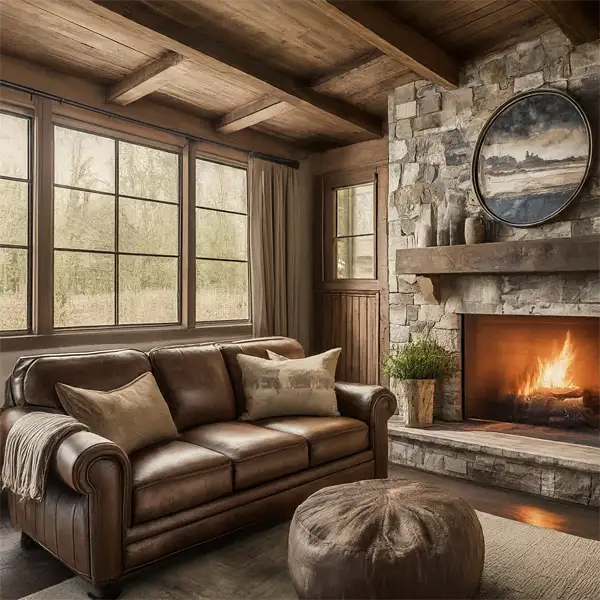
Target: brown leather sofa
<point>106,514</point>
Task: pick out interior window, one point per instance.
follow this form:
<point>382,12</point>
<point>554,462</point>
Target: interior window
<point>222,288</point>
<point>116,232</point>
<point>355,232</point>
<point>15,195</point>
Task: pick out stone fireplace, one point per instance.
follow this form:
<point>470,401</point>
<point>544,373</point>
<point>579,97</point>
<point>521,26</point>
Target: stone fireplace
<point>432,137</point>
<point>533,370</point>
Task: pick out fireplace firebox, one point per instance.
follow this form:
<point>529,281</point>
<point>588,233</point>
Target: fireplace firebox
<point>532,369</point>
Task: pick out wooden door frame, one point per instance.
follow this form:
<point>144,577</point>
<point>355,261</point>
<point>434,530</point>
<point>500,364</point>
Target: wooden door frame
<point>324,186</point>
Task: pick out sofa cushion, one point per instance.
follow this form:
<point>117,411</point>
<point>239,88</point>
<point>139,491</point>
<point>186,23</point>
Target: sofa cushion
<point>328,438</point>
<point>173,476</point>
<point>280,388</point>
<point>258,454</point>
<point>257,347</point>
<point>133,416</point>
<point>195,384</point>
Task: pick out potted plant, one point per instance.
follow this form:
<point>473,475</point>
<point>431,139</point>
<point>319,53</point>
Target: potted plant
<point>413,370</point>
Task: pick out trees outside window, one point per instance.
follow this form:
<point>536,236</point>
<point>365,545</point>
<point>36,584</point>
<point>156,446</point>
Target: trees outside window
<point>222,278</point>
<point>355,232</point>
<point>116,232</point>
<point>15,200</point>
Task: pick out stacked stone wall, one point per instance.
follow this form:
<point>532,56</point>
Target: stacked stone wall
<point>432,135</point>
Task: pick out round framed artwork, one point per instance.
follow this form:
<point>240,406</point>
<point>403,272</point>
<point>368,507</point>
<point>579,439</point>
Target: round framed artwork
<point>532,158</point>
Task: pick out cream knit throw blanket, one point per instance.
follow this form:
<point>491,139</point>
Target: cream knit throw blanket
<point>29,446</point>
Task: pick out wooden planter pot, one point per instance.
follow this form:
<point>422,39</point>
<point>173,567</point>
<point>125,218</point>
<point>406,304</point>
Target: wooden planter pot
<point>415,401</point>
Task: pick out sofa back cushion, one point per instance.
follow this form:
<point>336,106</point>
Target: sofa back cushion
<point>257,347</point>
<point>195,384</point>
<point>34,378</point>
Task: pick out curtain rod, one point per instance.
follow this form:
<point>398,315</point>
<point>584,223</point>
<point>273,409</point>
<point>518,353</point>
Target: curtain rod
<point>294,164</point>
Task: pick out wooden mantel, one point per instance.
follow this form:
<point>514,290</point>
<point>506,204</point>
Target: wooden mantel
<point>556,255</point>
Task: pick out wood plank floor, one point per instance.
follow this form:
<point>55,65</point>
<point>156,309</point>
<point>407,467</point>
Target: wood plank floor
<point>25,572</point>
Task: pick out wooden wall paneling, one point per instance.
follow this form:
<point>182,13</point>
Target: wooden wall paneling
<point>383,261</point>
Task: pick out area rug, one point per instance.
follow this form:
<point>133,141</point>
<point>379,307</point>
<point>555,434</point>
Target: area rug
<point>522,562</point>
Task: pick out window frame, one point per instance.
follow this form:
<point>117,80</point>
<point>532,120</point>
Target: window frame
<point>236,161</point>
<point>28,115</point>
<point>332,183</point>
<point>45,113</point>
<point>115,253</point>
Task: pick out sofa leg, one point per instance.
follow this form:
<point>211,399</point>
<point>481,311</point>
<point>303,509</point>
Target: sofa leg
<point>110,591</point>
<point>26,542</point>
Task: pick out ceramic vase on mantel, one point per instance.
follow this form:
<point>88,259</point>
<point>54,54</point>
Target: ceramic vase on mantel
<point>415,401</point>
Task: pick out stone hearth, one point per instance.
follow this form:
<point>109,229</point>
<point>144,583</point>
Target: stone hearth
<point>482,452</point>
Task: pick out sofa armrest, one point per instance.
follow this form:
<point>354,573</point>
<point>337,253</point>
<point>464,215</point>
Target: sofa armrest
<point>365,402</point>
<point>373,405</point>
<point>100,470</point>
<point>8,417</point>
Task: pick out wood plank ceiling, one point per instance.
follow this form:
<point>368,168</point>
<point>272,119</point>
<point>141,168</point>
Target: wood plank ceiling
<point>313,72</point>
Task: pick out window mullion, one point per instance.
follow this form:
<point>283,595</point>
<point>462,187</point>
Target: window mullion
<point>188,236</point>
<point>43,217</point>
<point>116,266</point>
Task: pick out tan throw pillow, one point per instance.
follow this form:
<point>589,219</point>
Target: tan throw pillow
<point>132,416</point>
<point>284,387</point>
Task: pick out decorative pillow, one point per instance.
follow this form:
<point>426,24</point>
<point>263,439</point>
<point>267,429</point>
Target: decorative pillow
<point>132,416</point>
<point>285,387</point>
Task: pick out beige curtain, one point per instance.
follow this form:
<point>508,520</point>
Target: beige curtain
<point>274,248</point>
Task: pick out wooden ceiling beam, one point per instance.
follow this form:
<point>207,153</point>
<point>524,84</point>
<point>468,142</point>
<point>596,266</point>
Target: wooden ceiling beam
<point>271,106</point>
<point>187,41</point>
<point>578,19</point>
<point>385,32</point>
<point>252,113</point>
<point>147,79</point>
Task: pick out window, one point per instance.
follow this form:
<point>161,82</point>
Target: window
<point>221,242</point>
<point>116,232</point>
<point>355,232</point>
<point>15,199</point>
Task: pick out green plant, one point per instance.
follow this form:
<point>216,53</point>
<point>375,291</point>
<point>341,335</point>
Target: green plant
<point>422,358</point>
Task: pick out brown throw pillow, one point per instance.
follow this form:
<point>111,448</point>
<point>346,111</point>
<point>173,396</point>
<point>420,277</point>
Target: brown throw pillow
<point>289,387</point>
<point>132,416</point>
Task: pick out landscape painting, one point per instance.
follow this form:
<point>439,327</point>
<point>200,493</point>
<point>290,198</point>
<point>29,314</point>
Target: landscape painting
<point>533,158</point>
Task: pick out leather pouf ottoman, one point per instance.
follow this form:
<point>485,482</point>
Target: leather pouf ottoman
<point>385,539</point>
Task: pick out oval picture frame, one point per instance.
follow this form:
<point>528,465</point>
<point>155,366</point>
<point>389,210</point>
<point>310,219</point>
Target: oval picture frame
<point>532,158</point>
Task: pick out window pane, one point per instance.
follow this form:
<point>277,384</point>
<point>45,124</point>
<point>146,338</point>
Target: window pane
<point>14,146</point>
<point>220,235</point>
<point>148,227</point>
<point>148,173</point>
<point>355,210</point>
<point>84,160</point>
<point>84,288</point>
<point>355,258</point>
<point>83,220</point>
<point>148,289</point>
<point>14,196</point>
<point>221,290</point>
<point>13,289</point>
<point>220,186</point>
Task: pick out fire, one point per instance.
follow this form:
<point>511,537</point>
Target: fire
<point>552,374</point>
